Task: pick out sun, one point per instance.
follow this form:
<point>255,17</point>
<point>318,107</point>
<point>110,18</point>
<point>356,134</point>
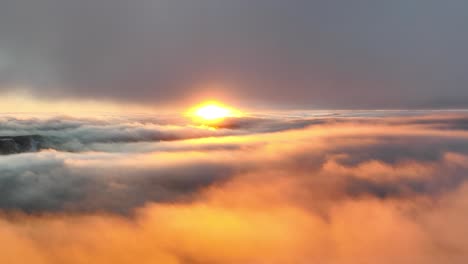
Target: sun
<point>209,112</point>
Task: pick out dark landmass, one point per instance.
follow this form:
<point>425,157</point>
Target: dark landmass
<point>20,144</point>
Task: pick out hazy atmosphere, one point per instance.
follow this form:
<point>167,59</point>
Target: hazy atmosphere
<point>295,54</point>
<point>233,131</point>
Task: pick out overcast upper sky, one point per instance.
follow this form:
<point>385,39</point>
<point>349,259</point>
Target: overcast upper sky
<point>296,53</point>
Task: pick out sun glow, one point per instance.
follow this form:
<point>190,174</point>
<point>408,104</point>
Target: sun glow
<point>212,112</point>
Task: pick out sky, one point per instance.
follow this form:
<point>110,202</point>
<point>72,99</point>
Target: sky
<point>295,54</point>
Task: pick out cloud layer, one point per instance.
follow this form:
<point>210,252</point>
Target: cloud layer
<point>348,187</point>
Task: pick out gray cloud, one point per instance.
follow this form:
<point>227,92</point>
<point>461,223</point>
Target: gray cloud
<point>51,182</point>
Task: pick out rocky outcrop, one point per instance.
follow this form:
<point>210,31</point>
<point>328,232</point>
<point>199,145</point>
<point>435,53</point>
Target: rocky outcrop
<point>19,144</point>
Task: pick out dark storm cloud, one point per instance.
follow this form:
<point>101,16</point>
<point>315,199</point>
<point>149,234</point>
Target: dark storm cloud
<point>341,54</point>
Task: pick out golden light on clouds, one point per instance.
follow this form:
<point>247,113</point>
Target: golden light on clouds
<point>283,191</point>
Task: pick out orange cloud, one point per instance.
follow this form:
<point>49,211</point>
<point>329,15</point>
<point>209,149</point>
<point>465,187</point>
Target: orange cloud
<point>343,192</point>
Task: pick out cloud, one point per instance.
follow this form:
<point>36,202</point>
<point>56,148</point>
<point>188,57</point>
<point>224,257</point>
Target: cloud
<point>345,188</point>
<point>213,231</point>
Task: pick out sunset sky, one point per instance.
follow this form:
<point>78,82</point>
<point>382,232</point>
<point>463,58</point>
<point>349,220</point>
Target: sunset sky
<point>233,132</point>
